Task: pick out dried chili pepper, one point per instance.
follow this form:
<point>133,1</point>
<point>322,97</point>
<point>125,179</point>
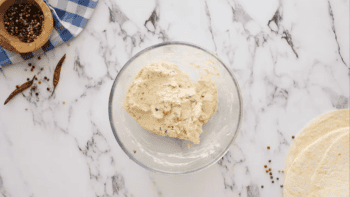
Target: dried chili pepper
<point>19,90</point>
<point>57,73</point>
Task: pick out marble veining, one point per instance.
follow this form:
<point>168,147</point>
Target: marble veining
<point>291,59</point>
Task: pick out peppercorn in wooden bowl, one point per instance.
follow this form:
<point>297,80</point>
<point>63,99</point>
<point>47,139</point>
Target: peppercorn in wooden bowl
<point>25,25</point>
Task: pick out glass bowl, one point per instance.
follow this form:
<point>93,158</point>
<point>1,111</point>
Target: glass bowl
<point>171,155</point>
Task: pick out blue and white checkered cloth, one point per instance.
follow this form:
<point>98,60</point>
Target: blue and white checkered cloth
<point>70,17</point>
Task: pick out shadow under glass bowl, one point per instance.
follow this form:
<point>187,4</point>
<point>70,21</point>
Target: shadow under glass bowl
<point>171,155</point>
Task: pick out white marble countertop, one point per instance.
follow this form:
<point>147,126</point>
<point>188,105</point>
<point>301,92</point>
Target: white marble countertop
<point>291,59</point>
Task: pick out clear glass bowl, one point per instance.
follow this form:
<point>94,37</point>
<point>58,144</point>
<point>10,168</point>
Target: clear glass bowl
<point>171,155</point>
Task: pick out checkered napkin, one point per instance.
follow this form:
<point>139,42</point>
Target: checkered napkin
<point>70,17</point>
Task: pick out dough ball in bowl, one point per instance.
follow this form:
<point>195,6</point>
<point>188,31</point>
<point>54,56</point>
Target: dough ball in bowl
<point>167,154</point>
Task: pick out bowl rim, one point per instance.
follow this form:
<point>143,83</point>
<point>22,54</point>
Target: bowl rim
<point>112,95</point>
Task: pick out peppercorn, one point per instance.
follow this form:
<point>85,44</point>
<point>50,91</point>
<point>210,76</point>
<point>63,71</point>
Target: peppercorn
<point>262,186</point>
<point>24,21</point>
<point>268,147</point>
<point>293,137</point>
<point>270,161</point>
<point>265,166</point>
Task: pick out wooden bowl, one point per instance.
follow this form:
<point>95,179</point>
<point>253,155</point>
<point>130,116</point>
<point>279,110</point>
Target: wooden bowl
<point>13,43</point>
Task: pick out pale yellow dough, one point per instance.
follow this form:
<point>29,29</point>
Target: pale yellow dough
<point>164,101</point>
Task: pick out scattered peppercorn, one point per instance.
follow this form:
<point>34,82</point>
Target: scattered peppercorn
<point>293,137</point>
<point>156,109</point>
<point>270,161</point>
<point>282,171</point>
<point>268,147</point>
<point>270,173</point>
<point>277,178</point>
<point>45,77</point>
<point>30,64</point>
<point>134,151</point>
<point>269,169</point>
<point>48,79</point>
<point>281,185</point>
<point>39,82</point>
<point>48,89</point>
<point>28,79</point>
<point>271,177</point>
<point>25,69</point>
<point>37,94</point>
<point>262,186</point>
<point>265,166</point>
<point>39,58</point>
<point>272,181</point>
<point>42,69</point>
<point>17,86</point>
